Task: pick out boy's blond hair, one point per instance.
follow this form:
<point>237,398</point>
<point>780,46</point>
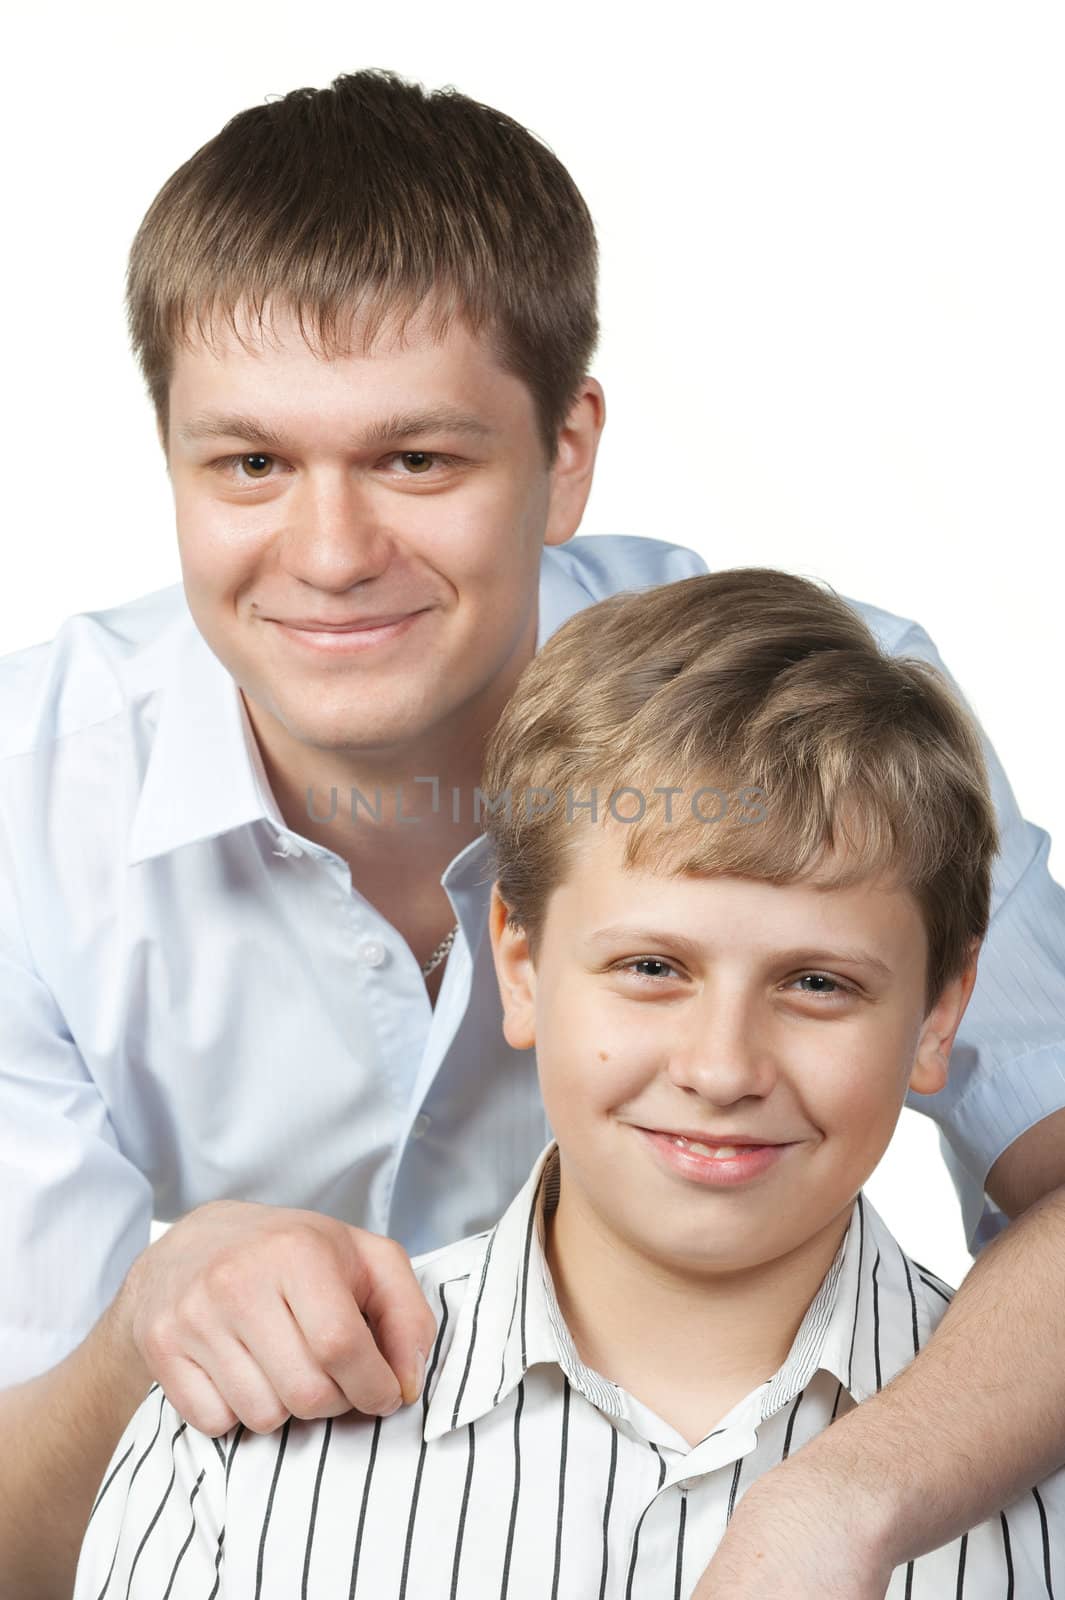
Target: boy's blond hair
<point>835,761</point>
<point>371,199</point>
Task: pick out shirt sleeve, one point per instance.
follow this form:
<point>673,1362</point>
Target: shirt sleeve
<point>75,1211</point>
<point>158,1525</point>
<point>1007,1068</point>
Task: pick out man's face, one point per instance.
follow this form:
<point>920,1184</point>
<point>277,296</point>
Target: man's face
<point>726,1007</point>
<point>308,492</point>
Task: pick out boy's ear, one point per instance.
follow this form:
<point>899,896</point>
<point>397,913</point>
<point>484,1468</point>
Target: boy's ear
<point>932,1062</point>
<point>514,974</point>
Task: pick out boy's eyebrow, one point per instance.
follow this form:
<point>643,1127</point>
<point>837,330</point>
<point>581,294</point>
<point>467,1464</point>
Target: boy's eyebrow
<point>401,425</point>
<point>800,956</point>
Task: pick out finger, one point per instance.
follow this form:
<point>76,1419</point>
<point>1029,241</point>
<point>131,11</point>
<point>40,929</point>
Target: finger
<point>195,1398</point>
<point>395,1308</point>
<point>341,1343</point>
<point>237,1373</point>
<point>295,1372</point>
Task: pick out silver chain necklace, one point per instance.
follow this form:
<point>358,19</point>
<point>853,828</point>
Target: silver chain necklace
<point>440,953</point>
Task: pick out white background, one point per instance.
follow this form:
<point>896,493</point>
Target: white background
<point>833,335</point>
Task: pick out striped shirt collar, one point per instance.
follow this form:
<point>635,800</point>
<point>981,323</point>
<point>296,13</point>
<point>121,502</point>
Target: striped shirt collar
<point>866,1322</point>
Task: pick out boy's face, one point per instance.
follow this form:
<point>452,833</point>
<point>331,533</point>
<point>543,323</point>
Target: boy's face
<point>307,492</point>
<point>721,1007</point>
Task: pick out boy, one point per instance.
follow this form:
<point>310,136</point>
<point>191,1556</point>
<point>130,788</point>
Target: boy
<point>744,867</point>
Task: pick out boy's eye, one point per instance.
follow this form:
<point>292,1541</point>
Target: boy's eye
<point>822,985</point>
<point>659,969</point>
<point>256,465</point>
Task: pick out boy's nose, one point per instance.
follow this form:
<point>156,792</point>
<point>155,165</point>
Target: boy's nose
<point>723,1056</point>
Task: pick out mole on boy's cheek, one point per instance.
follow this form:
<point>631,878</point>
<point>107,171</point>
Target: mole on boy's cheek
<point>602,1055</point>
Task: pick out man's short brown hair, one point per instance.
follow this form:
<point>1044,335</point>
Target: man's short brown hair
<point>837,761</point>
<point>373,198</point>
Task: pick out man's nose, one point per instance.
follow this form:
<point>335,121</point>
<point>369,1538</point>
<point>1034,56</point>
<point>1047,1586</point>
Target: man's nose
<point>335,534</point>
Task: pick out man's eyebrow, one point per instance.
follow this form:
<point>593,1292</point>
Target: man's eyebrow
<point>801,956</point>
<point>401,425</point>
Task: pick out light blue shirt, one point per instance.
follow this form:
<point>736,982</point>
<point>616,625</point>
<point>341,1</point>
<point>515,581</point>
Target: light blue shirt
<point>195,1002</point>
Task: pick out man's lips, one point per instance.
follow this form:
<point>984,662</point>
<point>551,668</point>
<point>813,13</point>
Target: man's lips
<point>362,636</point>
<point>351,624</point>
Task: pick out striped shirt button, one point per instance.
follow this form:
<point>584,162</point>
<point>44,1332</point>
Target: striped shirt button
<point>422,1125</point>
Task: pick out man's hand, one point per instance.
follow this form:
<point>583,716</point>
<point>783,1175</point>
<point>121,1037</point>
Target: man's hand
<point>789,1539</point>
<point>252,1313</point>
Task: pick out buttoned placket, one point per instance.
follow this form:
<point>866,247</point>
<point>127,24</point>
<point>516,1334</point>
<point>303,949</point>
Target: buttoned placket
<point>374,955</point>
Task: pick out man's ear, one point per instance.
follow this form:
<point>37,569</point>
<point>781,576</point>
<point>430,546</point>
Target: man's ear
<point>514,974</point>
<point>571,475</point>
<point>932,1062</point>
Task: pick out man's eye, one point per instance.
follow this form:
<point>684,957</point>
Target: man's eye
<point>255,466</point>
<point>252,468</point>
<point>417,463</point>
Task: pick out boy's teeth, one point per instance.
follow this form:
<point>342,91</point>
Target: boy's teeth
<point>721,1152</point>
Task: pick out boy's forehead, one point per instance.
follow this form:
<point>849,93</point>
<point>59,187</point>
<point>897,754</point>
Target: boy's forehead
<point>606,892</point>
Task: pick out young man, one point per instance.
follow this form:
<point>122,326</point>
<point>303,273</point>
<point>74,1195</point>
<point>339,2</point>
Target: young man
<point>744,871</point>
<point>225,994</point>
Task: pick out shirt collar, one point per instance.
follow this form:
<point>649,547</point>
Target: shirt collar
<point>866,1322</point>
<point>204,775</point>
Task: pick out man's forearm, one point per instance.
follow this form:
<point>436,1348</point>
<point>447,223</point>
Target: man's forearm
<point>977,1417</point>
<point>59,1432</point>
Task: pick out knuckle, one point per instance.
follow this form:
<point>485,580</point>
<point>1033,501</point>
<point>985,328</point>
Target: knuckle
<point>310,1397</point>
<point>157,1343</point>
<point>222,1279</point>
<point>298,1245</point>
<point>397,1253</point>
<point>331,1344</point>
<point>265,1418</point>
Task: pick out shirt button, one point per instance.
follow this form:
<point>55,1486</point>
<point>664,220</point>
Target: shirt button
<point>422,1125</point>
<point>372,952</point>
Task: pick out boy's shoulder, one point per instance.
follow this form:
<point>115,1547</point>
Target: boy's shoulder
<point>887,1305</point>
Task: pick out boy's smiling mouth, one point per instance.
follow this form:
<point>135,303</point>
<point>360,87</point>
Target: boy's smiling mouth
<point>714,1141</point>
<point>718,1164</point>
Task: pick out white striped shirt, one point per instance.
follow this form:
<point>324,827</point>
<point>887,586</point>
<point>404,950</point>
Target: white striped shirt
<point>521,1474</point>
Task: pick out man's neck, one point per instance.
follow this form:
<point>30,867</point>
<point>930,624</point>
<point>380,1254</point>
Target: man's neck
<point>371,807</point>
<point>690,1347</point>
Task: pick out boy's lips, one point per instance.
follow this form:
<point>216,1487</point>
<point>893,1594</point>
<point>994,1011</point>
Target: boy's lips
<point>718,1166</point>
<point>701,1136</point>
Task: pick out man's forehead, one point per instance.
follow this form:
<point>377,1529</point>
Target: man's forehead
<point>363,330</point>
<point>237,380</point>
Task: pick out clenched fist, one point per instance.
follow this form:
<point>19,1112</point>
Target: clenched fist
<point>252,1313</point>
